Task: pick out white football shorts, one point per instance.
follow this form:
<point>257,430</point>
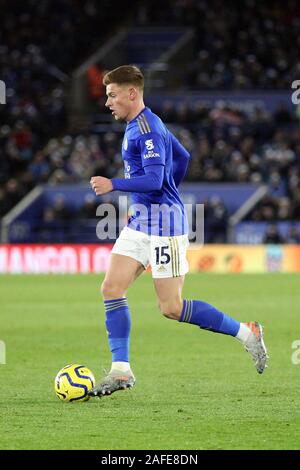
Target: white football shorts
<point>166,255</point>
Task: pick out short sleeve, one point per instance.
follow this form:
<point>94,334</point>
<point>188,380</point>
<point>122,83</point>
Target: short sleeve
<point>153,149</point>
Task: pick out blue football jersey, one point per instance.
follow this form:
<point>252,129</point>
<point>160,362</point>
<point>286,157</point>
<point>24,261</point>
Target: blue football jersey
<point>147,141</point>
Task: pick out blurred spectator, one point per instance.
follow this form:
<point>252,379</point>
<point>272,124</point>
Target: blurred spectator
<point>215,220</point>
<point>39,169</point>
<point>293,235</point>
<point>49,226</point>
<point>284,211</point>
<point>282,115</point>
<point>88,210</point>
<point>4,203</point>
<point>13,193</point>
<point>168,111</point>
<point>272,235</point>
<point>60,210</point>
<point>95,75</point>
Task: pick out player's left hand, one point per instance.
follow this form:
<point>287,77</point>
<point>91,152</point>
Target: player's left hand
<point>101,185</point>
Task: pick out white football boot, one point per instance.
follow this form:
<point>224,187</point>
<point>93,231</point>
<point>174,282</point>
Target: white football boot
<point>256,347</point>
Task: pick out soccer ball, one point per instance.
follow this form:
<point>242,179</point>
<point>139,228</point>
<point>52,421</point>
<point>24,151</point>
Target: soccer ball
<point>73,383</point>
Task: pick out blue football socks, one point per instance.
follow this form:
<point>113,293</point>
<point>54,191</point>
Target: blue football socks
<point>208,317</point>
<point>196,312</point>
<point>118,324</point>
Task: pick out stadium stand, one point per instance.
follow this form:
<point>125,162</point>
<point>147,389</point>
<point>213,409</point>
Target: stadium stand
<point>228,144</point>
<point>228,53</point>
<point>36,58</point>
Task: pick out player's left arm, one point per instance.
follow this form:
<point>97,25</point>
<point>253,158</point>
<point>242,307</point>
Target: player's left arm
<point>181,159</point>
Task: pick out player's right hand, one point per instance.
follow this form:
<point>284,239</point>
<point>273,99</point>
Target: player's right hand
<point>101,185</point>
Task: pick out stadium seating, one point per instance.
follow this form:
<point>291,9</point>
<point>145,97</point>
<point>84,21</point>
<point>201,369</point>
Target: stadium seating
<point>228,143</point>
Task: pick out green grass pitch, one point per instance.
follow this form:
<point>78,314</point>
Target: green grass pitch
<point>195,389</point>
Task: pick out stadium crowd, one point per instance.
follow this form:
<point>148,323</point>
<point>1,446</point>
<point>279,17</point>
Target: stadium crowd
<point>39,48</point>
<point>258,148</point>
<point>253,46</point>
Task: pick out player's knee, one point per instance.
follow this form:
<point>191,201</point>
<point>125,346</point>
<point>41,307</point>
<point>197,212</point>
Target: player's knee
<point>110,290</point>
<point>171,310</point>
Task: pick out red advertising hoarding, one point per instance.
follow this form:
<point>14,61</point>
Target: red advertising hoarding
<point>64,259</point>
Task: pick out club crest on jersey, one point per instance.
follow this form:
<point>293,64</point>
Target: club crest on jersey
<point>149,144</point>
<point>127,170</point>
<point>125,145</point>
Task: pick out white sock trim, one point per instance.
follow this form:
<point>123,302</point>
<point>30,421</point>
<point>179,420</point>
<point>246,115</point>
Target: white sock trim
<point>243,333</point>
<point>121,366</point>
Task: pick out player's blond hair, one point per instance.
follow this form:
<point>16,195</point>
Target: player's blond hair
<point>126,74</point>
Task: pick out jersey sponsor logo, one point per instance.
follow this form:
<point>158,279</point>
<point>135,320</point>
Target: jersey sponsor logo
<point>149,144</point>
<point>151,154</point>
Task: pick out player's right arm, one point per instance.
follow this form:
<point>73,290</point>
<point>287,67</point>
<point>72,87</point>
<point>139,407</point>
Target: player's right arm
<point>152,180</point>
<point>181,159</point>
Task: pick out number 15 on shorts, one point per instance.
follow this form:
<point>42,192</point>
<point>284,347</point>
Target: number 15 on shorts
<point>168,257</point>
<point>161,257</point>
